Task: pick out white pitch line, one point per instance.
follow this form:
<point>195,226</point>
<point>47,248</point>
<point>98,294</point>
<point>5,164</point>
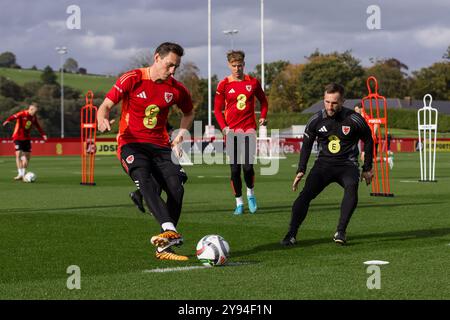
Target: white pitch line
<point>409,181</point>
<point>376,262</point>
<point>160,270</point>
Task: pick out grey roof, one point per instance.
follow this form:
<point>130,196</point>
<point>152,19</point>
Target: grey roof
<point>392,103</point>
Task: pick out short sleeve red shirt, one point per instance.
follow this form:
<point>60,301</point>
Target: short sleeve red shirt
<point>146,105</point>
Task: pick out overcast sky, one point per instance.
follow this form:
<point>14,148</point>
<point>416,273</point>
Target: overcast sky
<point>416,32</point>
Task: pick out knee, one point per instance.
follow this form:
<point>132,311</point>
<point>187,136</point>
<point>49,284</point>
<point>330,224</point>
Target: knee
<point>352,187</point>
<point>235,171</point>
<point>144,180</point>
<point>175,188</point>
<point>248,168</point>
<point>306,196</point>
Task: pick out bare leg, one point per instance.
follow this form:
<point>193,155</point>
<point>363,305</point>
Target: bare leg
<point>26,160</point>
<point>19,164</point>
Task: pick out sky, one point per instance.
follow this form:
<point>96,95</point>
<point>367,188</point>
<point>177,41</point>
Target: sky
<point>112,32</point>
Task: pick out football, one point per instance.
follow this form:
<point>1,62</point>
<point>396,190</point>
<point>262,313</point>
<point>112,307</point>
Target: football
<point>29,177</point>
<point>213,250</point>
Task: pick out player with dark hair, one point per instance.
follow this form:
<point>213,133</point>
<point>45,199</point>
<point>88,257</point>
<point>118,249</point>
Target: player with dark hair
<point>25,119</point>
<point>143,142</point>
<point>338,130</point>
<point>236,94</point>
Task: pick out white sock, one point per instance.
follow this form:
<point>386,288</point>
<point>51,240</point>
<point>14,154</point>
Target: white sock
<point>21,171</point>
<point>250,192</point>
<point>239,201</point>
<point>168,226</point>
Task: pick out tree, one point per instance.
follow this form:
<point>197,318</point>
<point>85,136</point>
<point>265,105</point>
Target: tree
<point>48,76</point>
<point>271,71</point>
<point>434,80</point>
<point>10,89</point>
<point>82,71</point>
<point>71,65</point>
<point>202,111</point>
<point>31,88</point>
<point>141,60</point>
<point>188,75</point>
<point>48,92</point>
<point>392,80</point>
<point>8,60</point>
<point>447,54</point>
<point>322,69</point>
<point>284,94</point>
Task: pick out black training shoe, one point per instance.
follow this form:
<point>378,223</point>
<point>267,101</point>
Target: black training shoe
<point>136,196</point>
<point>339,238</point>
<point>288,240</point>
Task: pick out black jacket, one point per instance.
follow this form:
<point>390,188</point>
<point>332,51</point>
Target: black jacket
<point>337,139</point>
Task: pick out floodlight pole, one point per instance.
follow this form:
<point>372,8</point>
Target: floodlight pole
<point>262,46</point>
<point>62,51</point>
<point>231,33</point>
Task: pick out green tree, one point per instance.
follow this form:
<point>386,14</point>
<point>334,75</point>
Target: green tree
<point>48,91</point>
<point>391,77</point>
<point>447,54</point>
<point>188,75</point>
<point>31,88</point>
<point>322,69</point>
<point>271,71</point>
<point>434,80</point>
<point>71,65</point>
<point>9,88</point>
<point>201,113</point>
<point>48,76</point>
<point>8,60</point>
<point>284,94</point>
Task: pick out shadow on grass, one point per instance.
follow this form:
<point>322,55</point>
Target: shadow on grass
<point>62,209</point>
<point>353,240</point>
<point>337,206</point>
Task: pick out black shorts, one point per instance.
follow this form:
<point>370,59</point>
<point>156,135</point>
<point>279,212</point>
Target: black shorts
<point>157,160</point>
<point>23,145</point>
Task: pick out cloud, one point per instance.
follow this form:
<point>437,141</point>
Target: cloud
<point>112,31</point>
<point>434,37</point>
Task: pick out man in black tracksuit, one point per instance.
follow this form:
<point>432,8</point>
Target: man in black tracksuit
<point>338,131</point>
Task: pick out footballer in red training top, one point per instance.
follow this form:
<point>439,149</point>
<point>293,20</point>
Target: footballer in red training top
<point>25,120</point>
<point>234,108</point>
<point>146,105</point>
<point>144,149</point>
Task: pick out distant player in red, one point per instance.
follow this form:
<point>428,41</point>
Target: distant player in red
<point>25,120</point>
<point>373,128</point>
<point>144,149</point>
<point>236,94</point>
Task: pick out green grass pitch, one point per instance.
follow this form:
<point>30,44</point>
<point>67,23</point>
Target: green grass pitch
<point>54,223</point>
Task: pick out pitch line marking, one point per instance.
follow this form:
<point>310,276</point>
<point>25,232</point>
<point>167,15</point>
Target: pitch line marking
<point>161,270</point>
<point>187,268</point>
<point>376,262</point>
